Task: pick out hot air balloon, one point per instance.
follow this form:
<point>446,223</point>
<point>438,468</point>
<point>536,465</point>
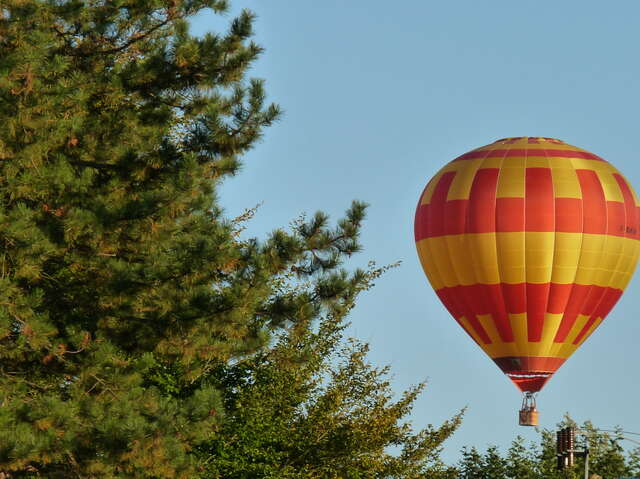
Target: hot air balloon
<point>529,243</point>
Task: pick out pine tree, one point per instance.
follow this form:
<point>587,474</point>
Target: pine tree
<point>137,324</point>
<point>123,284</point>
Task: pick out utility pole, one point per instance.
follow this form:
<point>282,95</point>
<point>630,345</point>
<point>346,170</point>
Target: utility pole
<point>586,460</point>
<point>566,451</point>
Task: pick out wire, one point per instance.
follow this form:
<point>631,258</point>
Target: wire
<point>619,434</point>
<point>608,430</point>
<point>635,441</point>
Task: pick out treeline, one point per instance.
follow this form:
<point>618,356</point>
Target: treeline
<point>612,455</point>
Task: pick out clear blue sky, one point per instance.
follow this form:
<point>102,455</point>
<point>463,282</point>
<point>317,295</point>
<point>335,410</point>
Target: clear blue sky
<point>378,96</point>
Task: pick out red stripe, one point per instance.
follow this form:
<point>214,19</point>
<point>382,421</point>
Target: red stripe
<point>435,224</point>
<point>421,222</point>
<point>510,215</point>
<point>595,205</point>
<point>510,218</point>
<point>455,217</point>
<point>481,216</point>
<point>454,301</point>
<point>534,299</point>
<point>569,215</point>
<point>591,306</point>
<point>537,299</point>
<point>529,152</point>
<point>616,218</point>
<point>473,300</point>
<point>429,220</point>
<point>609,298</point>
<point>449,299</point>
<point>571,154</point>
<point>622,220</point>
<point>631,225</point>
<point>584,299</point>
<point>474,154</point>
<point>558,297</point>
<point>539,211</point>
<point>515,296</point>
<point>574,305</point>
<point>539,200</point>
<point>497,308</point>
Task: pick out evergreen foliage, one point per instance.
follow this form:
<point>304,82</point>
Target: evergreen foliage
<point>607,458</point>
<point>135,322</point>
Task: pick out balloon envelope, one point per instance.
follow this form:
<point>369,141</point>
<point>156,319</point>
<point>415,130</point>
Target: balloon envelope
<point>529,243</point>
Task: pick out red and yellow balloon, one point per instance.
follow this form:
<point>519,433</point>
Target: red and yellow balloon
<point>529,243</point>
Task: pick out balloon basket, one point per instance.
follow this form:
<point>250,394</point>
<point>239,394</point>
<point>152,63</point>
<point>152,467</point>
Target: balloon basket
<point>528,415</point>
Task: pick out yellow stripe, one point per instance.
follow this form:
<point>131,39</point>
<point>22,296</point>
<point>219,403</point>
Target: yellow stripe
<point>610,260</point>
<point>595,165</point>
<point>471,331</point>
<point>610,186</point>
<point>591,329</point>
<point>520,333</point>
<point>539,253</point>
<point>461,184</point>
<point>576,328</point>
<point>442,261</point>
<point>486,320</point>
<point>511,182</point>
<point>567,348</point>
<point>511,257</point>
<point>549,330</point>
<point>562,350</point>
<point>627,265</point>
<point>464,270</point>
<point>491,258</point>
<point>566,257</point>
<point>546,347</point>
<point>456,166</point>
<point>492,161</point>
<point>538,162</point>
<point>480,249</point>
<point>565,181</point>
<point>591,253</point>
<point>428,264</point>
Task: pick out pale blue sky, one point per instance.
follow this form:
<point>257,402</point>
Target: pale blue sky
<point>378,96</point>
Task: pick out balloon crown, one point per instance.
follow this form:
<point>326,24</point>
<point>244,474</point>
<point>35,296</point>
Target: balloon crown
<point>530,139</point>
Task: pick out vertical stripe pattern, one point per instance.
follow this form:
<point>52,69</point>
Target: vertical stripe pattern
<point>529,243</point>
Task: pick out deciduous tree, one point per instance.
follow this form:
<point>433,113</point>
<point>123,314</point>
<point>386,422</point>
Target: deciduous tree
<point>607,457</point>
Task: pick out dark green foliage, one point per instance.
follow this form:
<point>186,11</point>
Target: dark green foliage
<point>607,459</point>
<point>489,465</point>
<point>129,304</point>
<point>472,464</point>
<point>521,461</point>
